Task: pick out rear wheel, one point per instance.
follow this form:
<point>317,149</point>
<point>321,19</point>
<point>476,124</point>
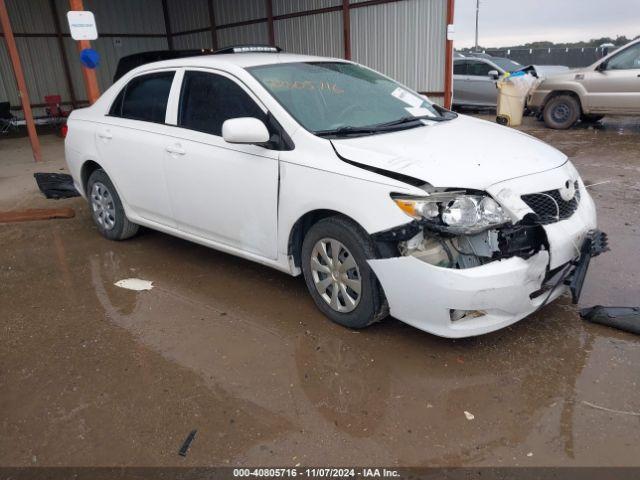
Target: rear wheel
<point>106,208</point>
<point>561,112</point>
<point>334,264</point>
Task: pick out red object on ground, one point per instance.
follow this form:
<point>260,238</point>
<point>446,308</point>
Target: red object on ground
<point>53,106</point>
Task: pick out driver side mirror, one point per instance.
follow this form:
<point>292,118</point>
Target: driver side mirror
<point>245,130</point>
<point>494,74</point>
<point>601,67</point>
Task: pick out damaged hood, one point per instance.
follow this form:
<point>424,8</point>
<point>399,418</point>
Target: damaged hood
<point>462,153</point>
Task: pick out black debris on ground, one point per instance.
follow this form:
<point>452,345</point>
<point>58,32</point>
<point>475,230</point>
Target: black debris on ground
<point>56,185</point>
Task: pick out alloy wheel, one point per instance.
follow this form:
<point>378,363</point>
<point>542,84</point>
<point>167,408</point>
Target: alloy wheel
<point>102,206</point>
<point>336,275</point>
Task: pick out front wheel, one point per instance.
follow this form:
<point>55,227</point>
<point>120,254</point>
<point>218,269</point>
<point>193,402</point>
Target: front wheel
<point>561,112</point>
<point>334,264</point>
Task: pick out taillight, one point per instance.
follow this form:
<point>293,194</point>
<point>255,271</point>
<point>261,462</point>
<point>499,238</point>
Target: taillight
<point>64,129</point>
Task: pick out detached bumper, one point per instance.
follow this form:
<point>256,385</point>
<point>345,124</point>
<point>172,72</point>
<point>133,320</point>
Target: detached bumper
<point>423,295</point>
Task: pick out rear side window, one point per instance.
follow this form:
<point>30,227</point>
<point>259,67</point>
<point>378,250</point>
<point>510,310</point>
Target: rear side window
<point>207,100</point>
<point>460,68</point>
<point>144,98</point>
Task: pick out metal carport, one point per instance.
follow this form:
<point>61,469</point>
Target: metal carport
<point>405,39</point>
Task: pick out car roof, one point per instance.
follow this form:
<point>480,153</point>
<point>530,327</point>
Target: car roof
<point>242,60</point>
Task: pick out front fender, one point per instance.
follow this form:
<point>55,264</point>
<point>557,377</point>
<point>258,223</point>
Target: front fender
<point>304,189</point>
<point>556,87</point>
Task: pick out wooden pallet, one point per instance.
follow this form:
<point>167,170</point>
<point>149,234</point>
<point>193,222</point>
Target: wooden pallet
<point>36,214</point>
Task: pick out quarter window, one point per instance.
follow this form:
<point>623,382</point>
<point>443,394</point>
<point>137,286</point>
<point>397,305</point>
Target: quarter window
<point>144,98</point>
<point>208,100</point>
<point>460,68</point>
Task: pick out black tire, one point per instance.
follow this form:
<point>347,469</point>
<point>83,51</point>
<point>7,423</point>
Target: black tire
<point>118,227</point>
<point>592,118</point>
<point>561,112</point>
<point>372,305</point>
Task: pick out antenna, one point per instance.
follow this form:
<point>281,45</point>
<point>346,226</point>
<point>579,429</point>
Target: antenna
<point>477,15</point>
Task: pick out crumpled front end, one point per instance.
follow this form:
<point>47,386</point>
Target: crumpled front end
<point>465,285</point>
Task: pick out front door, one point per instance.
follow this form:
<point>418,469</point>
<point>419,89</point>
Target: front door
<point>480,86</point>
<point>219,191</point>
<point>615,88</point>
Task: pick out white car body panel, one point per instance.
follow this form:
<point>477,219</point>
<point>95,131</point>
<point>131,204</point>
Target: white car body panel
<point>500,288</point>
<point>246,199</point>
<point>440,156</point>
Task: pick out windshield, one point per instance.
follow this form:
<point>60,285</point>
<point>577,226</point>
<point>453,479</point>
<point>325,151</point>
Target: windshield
<point>330,97</point>
<point>506,64</point>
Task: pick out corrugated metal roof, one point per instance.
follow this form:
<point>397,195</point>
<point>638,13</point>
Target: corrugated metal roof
<point>320,34</point>
<point>256,33</point>
<point>193,40</point>
<point>120,16</point>
<point>33,16</point>
<point>188,14</point>
<point>281,7</point>
<point>404,40</point>
<point>231,11</point>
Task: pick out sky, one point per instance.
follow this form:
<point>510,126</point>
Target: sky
<point>515,22</point>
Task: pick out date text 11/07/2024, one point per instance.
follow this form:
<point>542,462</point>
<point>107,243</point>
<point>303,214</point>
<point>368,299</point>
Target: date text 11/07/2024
<point>315,472</point>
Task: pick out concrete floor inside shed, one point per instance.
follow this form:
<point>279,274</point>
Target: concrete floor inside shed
<point>91,374</point>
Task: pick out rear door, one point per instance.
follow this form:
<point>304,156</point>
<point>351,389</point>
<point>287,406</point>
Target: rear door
<point>481,87</point>
<point>131,145</point>
<point>460,84</point>
<point>219,191</point>
<point>615,88</point>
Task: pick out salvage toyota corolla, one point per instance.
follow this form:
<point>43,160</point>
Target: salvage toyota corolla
<point>384,201</point>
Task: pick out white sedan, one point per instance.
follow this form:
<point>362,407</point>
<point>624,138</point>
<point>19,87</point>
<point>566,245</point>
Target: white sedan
<point>384,201</point>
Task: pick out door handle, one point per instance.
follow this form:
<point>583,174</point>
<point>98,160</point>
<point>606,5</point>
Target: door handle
<point>105,134</point>
<point>175,149</point>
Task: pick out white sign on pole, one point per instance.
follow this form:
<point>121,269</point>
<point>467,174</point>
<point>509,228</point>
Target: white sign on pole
<point>82,25</point>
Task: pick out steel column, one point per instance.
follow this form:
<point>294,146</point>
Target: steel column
<point>63,53</point>
<point>89,75</point>
<point>212,26</point>
<point>272,35</point>
<point>167,24</point>
<point>448,63</point>
<point>22,84</point>
<point>346,26</point>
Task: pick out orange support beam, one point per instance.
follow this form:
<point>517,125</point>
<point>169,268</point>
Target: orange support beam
<point>270,29</point>
<point>89,75</point>
<point>448,63</point>
<point>22,84</point>
<point>346,29</point>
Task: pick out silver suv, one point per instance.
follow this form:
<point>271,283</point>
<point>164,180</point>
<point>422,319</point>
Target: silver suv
<point>611,86</point>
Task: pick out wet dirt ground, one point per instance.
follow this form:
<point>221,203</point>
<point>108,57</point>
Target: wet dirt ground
<point>92,374</point>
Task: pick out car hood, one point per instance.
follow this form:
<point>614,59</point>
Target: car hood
<point>465,152</point>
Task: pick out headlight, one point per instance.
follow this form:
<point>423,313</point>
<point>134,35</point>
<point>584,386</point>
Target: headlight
<point>455,212</point>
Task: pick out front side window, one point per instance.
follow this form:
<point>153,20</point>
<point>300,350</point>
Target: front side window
<point>207,100</point>
<point>628,59</point>
<point>480,69</point>
<point>325,96</point>
<point>144,98</point>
